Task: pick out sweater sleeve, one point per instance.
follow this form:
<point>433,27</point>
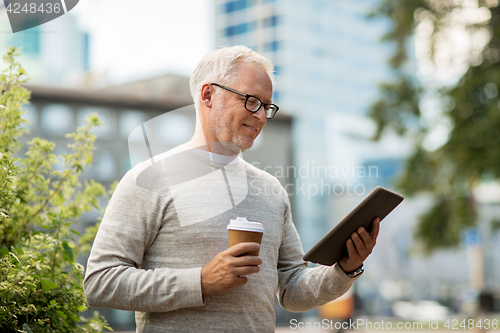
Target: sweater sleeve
<point>114,277</point>
<point>302,288</point>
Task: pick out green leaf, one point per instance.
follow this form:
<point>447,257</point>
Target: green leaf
<point>61,314</point>
<point>47,285</point>
<point>75,232</point>
<point>69,251</point>
<point>27,328</point>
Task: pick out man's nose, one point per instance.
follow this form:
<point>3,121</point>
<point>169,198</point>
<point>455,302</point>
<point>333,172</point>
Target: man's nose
<point>261,114</point>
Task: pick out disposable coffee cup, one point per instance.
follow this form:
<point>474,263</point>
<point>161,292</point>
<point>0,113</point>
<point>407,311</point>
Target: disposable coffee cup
<point>241,230</point>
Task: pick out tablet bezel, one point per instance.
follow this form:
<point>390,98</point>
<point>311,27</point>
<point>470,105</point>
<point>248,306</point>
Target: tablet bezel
<point>332,247</point>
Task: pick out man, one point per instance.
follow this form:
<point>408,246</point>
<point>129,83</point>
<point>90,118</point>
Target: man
<point>161,249</point>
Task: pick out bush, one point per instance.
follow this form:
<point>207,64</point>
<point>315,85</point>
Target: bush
<point>40,280</point>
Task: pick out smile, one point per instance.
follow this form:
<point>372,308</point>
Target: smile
<point>251,127</point>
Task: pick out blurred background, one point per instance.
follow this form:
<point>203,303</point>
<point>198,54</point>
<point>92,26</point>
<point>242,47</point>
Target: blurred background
<point>400,94</point>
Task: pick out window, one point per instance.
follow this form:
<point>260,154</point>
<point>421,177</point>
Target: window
<point>138,152</point>
<point>236,5</point>
<point>129,121</point>
<point>276,97</point>
<point>126,165</point>
<point>155,135</point>
<point>270,21</point>
<point>86,52</point>
<point>277,70</point>
<point>28,40</point>
<point>173,129</point>
<point>30,115</point>
<point>272,46</point>
<point>382,171</point>
<point>105,165</point>
<point>57,120</point>
<point>239,29</point>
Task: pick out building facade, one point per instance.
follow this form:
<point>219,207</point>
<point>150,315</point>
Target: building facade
<point>328,63</point>
<point>324,78</point>
<point>55,53</point>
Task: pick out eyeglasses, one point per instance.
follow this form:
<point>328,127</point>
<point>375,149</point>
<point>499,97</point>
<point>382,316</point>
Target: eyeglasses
<point>252,103</point>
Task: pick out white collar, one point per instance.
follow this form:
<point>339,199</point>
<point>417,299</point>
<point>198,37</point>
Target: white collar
<point>218,158</point>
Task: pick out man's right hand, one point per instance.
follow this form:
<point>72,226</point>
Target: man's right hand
<point>227,268</point>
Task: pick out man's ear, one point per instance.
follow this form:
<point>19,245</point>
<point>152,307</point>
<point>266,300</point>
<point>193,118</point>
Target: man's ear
<point>206,95</point>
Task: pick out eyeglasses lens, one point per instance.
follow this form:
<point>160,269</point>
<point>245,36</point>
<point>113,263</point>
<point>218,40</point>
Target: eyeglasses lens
<point>271,111</point>
<point>253,104</point>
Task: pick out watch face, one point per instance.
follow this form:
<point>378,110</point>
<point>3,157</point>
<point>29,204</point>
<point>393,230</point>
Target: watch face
<point>357,272</point>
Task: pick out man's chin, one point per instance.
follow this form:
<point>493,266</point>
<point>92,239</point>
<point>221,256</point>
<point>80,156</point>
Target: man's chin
<point>245,144</point>
<point>225,148</point>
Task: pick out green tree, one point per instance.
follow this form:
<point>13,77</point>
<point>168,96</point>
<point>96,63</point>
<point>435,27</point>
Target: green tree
<point>469,105</point>
<point>40,280</point>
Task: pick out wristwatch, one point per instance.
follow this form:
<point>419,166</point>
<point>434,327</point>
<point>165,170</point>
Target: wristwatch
<point>357,272</point>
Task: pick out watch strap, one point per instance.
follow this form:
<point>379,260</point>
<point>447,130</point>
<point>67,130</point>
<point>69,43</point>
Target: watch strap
<point>357,272</point>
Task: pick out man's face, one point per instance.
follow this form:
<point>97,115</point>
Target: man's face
<point>228,120</point>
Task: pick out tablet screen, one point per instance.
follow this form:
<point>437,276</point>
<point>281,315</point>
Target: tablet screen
<point>379,203</point>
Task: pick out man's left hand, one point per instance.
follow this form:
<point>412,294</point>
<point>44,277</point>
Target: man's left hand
<point>359,247</point>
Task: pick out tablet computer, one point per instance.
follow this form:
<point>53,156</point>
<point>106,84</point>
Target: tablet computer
<point>379,203</point>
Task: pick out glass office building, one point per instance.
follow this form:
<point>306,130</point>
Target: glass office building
<point>55,53</point>
<point>328,61</point>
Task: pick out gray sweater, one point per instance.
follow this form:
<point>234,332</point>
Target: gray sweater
<point>168,218</point>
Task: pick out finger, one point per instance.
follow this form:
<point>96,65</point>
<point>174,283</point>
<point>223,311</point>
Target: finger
<point>241,248</point>
<point>351,250</point>
<point>246,270</point>
<point>239,281</point>
<point>247,261</point>
<point>375,229</point>
<point>365,237</point>
<point>360,246</point>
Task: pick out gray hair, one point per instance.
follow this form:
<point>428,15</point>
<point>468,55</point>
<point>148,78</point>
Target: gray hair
<point>220,66</point>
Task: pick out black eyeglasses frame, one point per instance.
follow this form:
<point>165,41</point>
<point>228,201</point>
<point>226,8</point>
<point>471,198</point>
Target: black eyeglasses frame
<point>270,112</point>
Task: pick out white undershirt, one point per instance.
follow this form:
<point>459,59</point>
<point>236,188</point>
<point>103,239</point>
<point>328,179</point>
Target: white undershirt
<point>218,158</point>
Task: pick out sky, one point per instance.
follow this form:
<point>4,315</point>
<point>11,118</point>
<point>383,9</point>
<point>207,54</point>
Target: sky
<point>136,39</point>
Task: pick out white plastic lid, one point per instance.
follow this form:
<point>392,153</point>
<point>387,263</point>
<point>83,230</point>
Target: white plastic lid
<point>243,224</point>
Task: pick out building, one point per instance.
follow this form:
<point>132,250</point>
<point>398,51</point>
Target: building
<point>327,82</point>
<point>329,61</point>
<point>324,79</point>
<point>55,53</point>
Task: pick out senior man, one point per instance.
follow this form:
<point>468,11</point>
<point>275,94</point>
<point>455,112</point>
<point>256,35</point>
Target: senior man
<point>161,249</point>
